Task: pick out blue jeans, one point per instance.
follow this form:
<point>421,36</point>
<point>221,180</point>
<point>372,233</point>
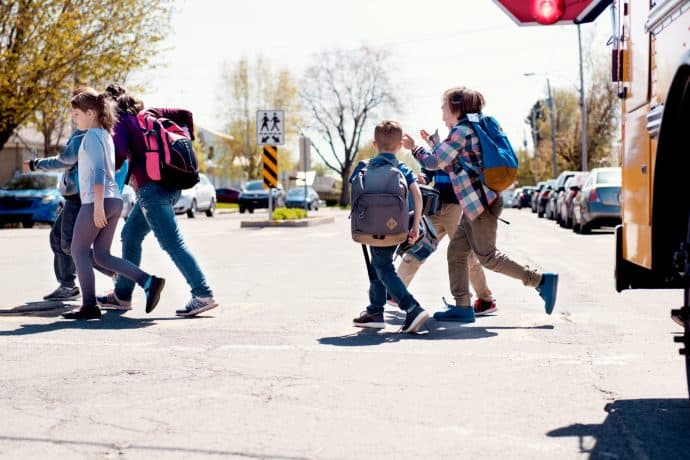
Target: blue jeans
<point>387,281</point>
<point>61,241</point>
<point>153,211</point>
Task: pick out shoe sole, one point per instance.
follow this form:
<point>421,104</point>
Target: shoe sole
<point>157,296</point>
<point>370,325</point>
<point>485,312</point>
<point>196,312</point>
<point>58,299</point>
<point>417,323</point>
<point>107,306</point>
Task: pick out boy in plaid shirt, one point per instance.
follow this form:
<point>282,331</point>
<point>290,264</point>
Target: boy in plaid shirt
<point>481,206</point>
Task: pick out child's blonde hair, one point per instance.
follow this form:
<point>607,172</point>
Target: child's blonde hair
<point>388,135</point>
<point>462,101</point>
<point>88,99</point>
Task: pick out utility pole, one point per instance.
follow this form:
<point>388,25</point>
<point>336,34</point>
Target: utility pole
<point>583,108</point>
<point>553,129</point>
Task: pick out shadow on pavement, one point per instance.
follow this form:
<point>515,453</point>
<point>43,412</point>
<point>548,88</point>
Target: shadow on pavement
<point>44,308</point>
<point>112,320</point>
<point>432,330</point>
<point>159,450</point>
<point>637,428</point>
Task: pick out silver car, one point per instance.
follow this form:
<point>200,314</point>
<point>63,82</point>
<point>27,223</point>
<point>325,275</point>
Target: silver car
<point>598,203</point>
<point>201,197</point>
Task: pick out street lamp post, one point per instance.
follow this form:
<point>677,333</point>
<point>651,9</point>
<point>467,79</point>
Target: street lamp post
<point>583,108</point>
<point>553,130</point>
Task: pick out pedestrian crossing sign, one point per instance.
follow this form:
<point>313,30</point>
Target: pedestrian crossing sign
<point>270,127</point>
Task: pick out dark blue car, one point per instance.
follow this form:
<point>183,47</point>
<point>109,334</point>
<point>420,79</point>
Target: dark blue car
<point>31,197</point>
<point>296,198</point>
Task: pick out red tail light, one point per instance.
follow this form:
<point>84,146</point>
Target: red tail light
<point>547,11</point>
<point>593,197</point>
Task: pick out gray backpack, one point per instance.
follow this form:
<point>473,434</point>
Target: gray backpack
<point>380,210</point>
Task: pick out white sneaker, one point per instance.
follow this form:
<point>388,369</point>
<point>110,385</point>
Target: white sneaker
<point>197,305</point>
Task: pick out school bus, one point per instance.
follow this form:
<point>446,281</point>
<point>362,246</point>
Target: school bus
<point>650,70</point>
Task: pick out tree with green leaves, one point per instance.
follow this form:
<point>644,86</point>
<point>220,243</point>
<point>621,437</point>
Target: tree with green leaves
<point>342,92</point>
<point>254,85</point>
<point>47,47</point>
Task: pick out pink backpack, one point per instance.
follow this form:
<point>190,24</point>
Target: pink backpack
<point>170,157</point>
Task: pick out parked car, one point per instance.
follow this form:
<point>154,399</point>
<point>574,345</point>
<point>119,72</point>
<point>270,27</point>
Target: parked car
<point>558,189</point>
<point>255,196</point>
<point>524,198</point>
<point>201,197</point>
<point>543,197</point>
<point>295,198</point>
<point>515,198</point>
<point>535,195</point>
<point>129,198</point>
<point>31,197</point>
<point>508,197</point>
<point>566,199</point>
<point>598,203</point>
<point>227,195</point>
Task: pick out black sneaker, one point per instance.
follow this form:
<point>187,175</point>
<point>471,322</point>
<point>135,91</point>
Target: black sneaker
<point>414,320</point>
<point>153,289</point>
<point>92,312</point>
<point>63,293</point>
<point>369,320</point>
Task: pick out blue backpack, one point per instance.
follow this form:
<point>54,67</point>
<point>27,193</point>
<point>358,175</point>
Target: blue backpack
<point>498,157</point>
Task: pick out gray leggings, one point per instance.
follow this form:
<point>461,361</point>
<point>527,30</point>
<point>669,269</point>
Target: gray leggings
<point>86,234</point>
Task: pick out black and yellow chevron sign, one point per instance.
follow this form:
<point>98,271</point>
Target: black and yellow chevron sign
<point>270,160</point>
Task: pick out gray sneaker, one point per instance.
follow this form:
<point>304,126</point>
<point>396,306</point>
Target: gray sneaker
<point>111,302</point>
<point>197,305</point>
<point>63,293</point>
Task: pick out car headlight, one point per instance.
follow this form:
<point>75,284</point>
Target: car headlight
<point>48,199</point>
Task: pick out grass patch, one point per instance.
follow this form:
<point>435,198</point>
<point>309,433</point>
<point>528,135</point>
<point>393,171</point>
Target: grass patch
<point>227,205</point>
<point>289,214</point>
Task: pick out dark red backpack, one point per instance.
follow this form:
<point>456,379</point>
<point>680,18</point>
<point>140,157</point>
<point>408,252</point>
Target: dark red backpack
<point>170,158</point>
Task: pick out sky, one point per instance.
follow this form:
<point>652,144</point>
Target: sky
<point>435,45</point>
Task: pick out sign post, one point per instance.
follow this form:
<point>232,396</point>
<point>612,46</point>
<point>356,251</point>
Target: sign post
<point>270,132</point>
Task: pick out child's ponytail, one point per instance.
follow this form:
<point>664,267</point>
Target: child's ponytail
<point>89,99</point>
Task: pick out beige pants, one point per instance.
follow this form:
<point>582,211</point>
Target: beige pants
<point>479,237</point>
<point>446,223</point>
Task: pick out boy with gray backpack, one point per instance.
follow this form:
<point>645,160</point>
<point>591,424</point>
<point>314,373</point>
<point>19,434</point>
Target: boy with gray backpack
<point>380,220</point>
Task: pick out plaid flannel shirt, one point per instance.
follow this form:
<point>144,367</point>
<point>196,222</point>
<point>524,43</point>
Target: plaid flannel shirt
<point>462,141</point>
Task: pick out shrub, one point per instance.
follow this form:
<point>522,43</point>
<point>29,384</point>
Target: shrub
<point>289,214</point>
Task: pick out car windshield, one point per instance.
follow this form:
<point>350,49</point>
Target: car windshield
<point>254,186</point>
<point>32,182</point>
<point>295,192</point>
<point>609,177</point>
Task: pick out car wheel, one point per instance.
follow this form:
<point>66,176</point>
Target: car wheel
<point>251,210</point>
<point>242,210</point>
<point>210,212</point>
<point>192,210</point>
<point>28,223</point>
<point>585,229</point>
<point>540,214</point>
<point>316,205</point>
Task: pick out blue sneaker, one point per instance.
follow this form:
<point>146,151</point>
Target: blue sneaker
<point>547,289</point>
<point>455,313</point>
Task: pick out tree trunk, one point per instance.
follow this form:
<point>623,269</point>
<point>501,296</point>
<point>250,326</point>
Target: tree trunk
<point>5,135</point>
<point>345,193</point>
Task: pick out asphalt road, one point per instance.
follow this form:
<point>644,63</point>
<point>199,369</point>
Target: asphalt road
<point>279,372</point>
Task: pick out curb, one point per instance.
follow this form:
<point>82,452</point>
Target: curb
<point>309,222</point>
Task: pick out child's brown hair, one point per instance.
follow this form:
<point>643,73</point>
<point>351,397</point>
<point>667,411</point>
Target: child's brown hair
<point>388,135</point>
<point>462,101</point>
<point>89,99</point>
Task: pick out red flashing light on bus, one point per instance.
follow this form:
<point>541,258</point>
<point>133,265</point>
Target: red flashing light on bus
<point>547,11</point>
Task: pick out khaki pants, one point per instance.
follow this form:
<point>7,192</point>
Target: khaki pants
<point>446,223</point>
<point>479,237</point>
